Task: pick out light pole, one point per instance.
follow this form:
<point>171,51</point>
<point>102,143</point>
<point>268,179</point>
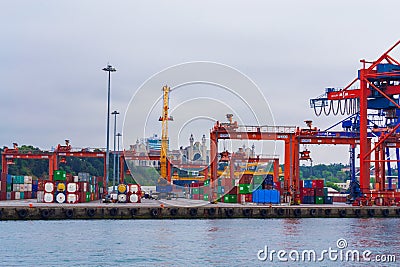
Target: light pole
<point>115,113</point>
<point>109,69</point>
<point>118,136</point>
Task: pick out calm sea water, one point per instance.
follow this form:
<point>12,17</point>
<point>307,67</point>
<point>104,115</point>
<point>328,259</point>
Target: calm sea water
<point>233,242</point>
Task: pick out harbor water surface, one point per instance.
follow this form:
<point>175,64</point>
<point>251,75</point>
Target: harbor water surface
<point>234,242</point>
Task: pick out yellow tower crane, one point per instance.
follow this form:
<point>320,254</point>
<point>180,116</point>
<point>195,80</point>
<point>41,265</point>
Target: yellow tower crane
<point>164,135</point>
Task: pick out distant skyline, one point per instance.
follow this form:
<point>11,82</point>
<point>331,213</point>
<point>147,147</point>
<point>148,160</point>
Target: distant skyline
<point>53,88</point>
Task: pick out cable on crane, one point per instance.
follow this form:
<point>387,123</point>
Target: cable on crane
<point>317,113</point>
<point>329,111</point>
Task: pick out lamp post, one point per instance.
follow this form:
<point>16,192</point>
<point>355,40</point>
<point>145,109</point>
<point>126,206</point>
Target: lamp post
<point>115,113</point>
<point>118,136</point>
<point>109,69</point>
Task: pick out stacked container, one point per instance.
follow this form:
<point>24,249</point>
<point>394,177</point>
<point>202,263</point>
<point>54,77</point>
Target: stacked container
<point>122,193</point>
<point>72,192</point>
<point>313,192</point>
<point>266,196</point>
<point>48,195</point>
<point>60,178</point>
<point>134,194</point>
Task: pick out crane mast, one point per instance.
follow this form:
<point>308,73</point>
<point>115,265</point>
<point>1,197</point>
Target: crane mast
<point>164,134</point>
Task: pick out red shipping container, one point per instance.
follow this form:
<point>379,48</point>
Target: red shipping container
<point>196,196</point>
<point>318,183</point>
<point>3,195</point>
<point>278,186</point>
<point>194,185</point>
<point>319,192</point>
<point>246,179</point>
<point>13,195</point>
<point>28,195</point>
<point>232,190</point>
<point>226,182</point>
<point>308,192</point>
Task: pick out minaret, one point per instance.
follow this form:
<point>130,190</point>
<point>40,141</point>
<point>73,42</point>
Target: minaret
<point>204,149</point>
<point>190,150</point>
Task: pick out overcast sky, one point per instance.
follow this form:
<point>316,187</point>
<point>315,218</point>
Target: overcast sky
<point>52,53</point>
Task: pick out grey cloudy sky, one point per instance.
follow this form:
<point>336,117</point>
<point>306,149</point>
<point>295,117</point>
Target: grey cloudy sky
<point>52,53</point>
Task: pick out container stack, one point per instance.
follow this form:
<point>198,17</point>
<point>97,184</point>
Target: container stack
<point>72,193</point>
<point>134,194</point>
<point>122,193</point>
<point>48,193</point>
<point>3,187</point>
<point>60,179</point>
<point>245,189</point>
<point>15,187</point>
<point>314,192</point>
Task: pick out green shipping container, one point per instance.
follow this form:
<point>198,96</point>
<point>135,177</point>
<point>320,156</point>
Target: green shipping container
<point>258,179</point>
<point>230,198</point>
<point>220,190</point>
<point>9,188</point>
<point>59,175</point>
<point>206,198</point>
<point>195,191</point>
<point>22,195</point>
<point>319,200</point>
<point>206,182</point>
<point>87,196</point>
<point>201,190</point>
<point>325,191</point>
<point>245,189</point>
<point>219,181</point>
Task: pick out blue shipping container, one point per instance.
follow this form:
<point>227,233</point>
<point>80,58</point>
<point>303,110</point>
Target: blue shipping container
<point>328,200</point>
<point>307,183</point>
<point>266,196</point>
<point>9,179</point>
<point>308,200</point>
<point>164,189</point>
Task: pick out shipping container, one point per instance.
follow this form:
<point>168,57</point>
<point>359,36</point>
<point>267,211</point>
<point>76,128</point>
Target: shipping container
<point>319,200</point>
<point>308,200</point>
<point>245,189</point>
<point>307,183</point>
<point>49,187</point>
<point>319,192</point>
<point>318,183</point>
<point>228,198</point>
<point>59,175</point>
<point>328,200</point>
<point>60,197</point>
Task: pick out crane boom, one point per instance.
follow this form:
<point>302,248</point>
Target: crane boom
<point>164,134</point>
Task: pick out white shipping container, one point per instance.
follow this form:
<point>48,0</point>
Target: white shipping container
<point>17,195</point>
<point>22,188</point>
<point>29,187</point>
<point>122,198</point>
<point>133,198</point>
<point>48,197</point>
<point>72,198</point>
<point>40,196</point>
<point>76,179</point>
<point>60,198</point>
<point>27,179</point>
<point>72,187</point>
<point>48,187</point>
<point>134,188</point>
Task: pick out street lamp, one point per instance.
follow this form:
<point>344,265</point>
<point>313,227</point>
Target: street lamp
<point>118,136</point>
<point>109,69</point>
<point>115,113</point>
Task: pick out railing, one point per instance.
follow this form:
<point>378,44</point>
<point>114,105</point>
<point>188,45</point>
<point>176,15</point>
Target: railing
<point>266,129</point>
